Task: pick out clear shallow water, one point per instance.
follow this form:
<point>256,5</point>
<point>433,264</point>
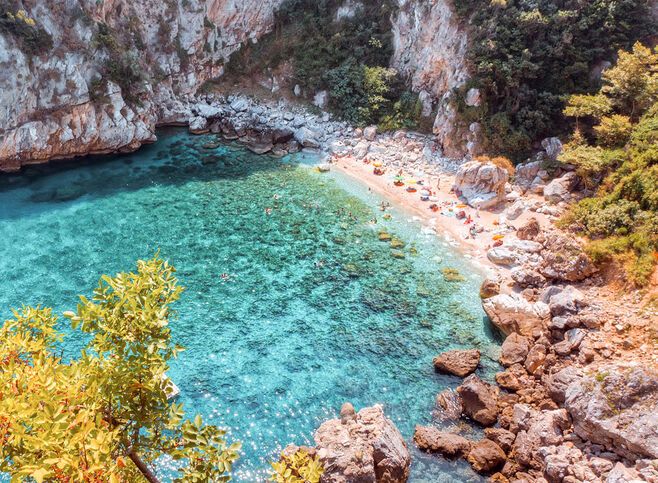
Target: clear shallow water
<point>316,312</point>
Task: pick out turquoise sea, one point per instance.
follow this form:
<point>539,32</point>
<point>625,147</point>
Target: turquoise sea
<point>292,304</point>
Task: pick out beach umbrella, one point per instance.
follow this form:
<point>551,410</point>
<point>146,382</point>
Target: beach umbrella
<point>399,178</point>
<point>411,181</point>
<point>377,164</point>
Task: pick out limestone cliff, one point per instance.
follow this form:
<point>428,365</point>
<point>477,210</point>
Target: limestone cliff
<point>64,101</point>
<point>112,70</point>
<point>430,51</point>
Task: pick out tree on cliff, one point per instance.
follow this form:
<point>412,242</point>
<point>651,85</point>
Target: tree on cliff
<point>105,415</point>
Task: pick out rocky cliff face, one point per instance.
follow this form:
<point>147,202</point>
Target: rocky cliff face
<point>115,69</point>
<point>430,50</point>
<point>65,101</point>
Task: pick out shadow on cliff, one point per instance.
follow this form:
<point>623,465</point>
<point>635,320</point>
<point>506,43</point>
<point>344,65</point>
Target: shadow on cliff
<point>176,159</point>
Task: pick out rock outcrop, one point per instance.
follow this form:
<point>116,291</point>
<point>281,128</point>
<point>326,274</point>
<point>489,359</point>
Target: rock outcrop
<point>513,313</point>
<point>161,53</point>
<point>430,48</point>
<point>482,185</point>
<point>362,447</point>
<point>618,408</point>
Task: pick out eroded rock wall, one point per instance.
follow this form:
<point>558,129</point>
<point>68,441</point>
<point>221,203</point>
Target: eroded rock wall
<point>430,51</point>
<point>51,103</point>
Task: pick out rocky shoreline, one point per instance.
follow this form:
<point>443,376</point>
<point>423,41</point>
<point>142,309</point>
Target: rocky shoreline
<point>569,405</point>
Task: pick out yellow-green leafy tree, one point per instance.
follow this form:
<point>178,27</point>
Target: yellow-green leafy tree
<point>103,416</point>
<point>297,467</point>
<point>616,155</point>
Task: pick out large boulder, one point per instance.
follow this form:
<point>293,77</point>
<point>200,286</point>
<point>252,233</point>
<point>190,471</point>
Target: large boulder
<point>431,439</point>
<point>370,133</point>
<point>617,407</point>
<point>530,230</point>
<point>479,400</point>
<point>363,448</point>
<point>552,147</point>
<point>536,430</point>
<point>307,138</point>
<point>481,184</point>
<point>514,349</point>
<point>198,125</point>
<point>449,405</point>
<point>486,456</point>
<point>564,260</point>
<point>558,383</point>
<point>563,300</point>
<point>560,189</point>
<point>459,363</point>
<point>513,313</point>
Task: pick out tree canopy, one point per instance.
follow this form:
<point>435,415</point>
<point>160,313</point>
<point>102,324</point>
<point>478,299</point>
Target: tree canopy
<point>103,416</point>
<point>615,151</point>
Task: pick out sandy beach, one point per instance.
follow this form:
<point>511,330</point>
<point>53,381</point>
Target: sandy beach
<point>472,239</point>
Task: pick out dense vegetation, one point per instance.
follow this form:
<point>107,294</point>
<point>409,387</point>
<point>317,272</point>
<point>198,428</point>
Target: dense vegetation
<point>615,151</point>
<point>348,56</point>
<point>31,37</point>
<point>527,57</point>
<point>103,417</point>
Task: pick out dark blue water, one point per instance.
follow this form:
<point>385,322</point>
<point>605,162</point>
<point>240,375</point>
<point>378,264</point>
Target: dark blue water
<point>316,310</point>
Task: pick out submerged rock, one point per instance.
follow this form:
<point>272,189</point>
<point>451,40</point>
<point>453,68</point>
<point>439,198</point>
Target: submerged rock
<point>435,441</point>
<point>362,447</point>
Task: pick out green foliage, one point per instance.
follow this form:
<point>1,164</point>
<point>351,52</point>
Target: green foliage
<point>104,416</point>
<point>622,161</point>
<point>614,130</point>
<point>348,57</point>
<point>32,38</point>
<point>528,56</point>
<point>299,467</point>
<point>583,105</point>
<point>122,67</point>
